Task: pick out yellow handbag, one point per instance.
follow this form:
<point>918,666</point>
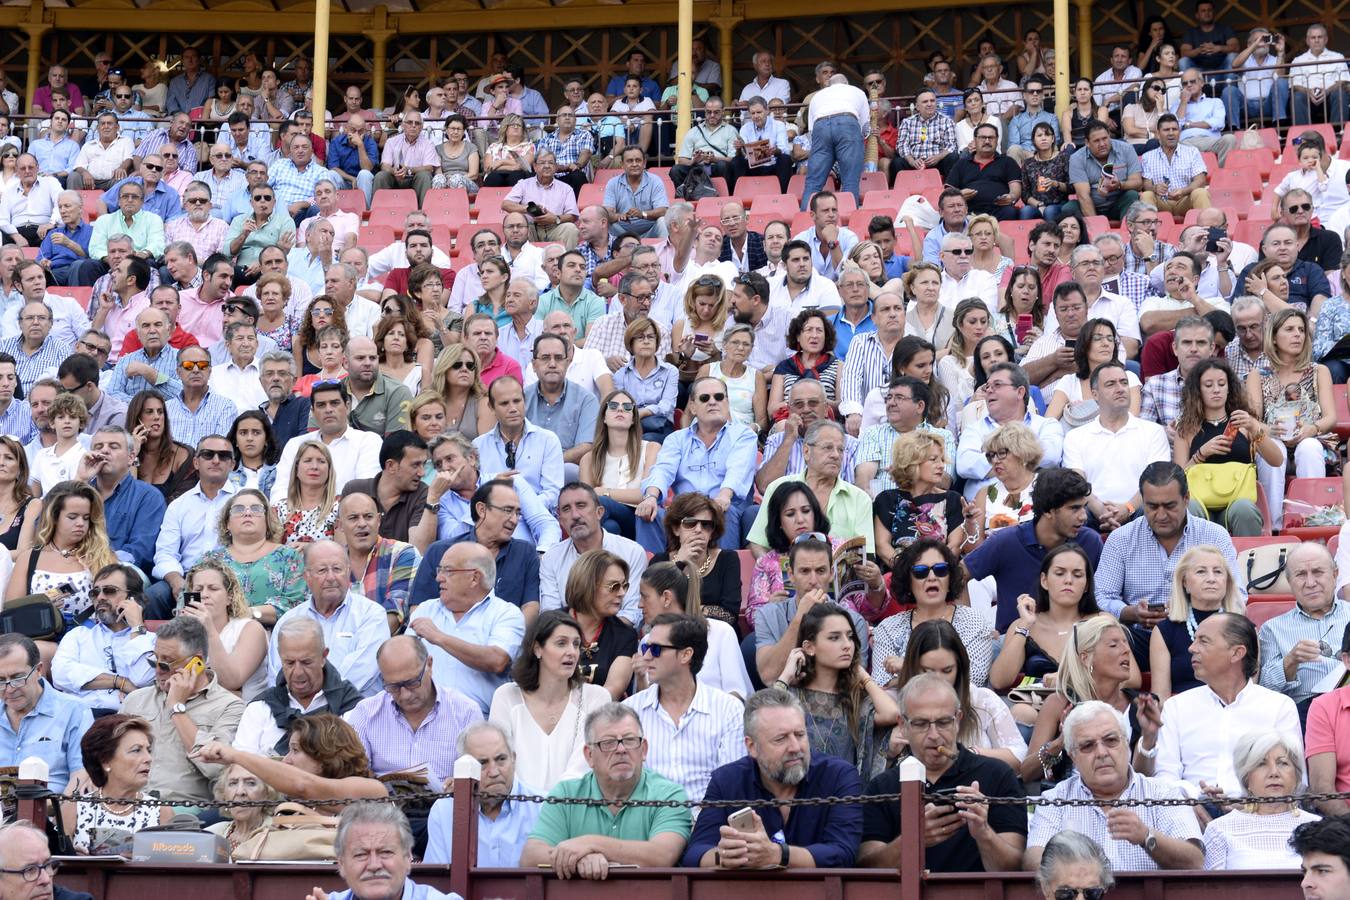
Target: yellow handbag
<point>1220,485</point>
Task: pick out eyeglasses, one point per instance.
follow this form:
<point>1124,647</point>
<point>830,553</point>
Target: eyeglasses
<point>198,365</point>
<point>106,590</point>
<point>222,455</point>
<point>624,405</point>
<point>993,456</point>
<point>922,725</point>
<point>411,684</point>
<point>609,745</point>
<point>462,364</point>
<point>196,201</point>
<point>168,155</point>
<point>40,317</point>
<point>17,681</point>
<point>960,251</point>
<point>451,570</point>
<point>616,587</point>
<point>921,571</point>
<point>247,509</point>
<point>1298,207</point>
<point>220,156</point>
<point>1069,893</point>
<point>122,96</point>
<point>508,511</point>
<point>691,522</point>
<point>34,872</point>
<point>152,167</point>
<point>1109,742</point>
<point>1157,87</point>
<point>655,649</point>
<point>716,398</point>
<point>166,665</point>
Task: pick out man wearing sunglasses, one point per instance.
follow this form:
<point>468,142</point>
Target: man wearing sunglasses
<point>39,720</point>
<point>1315,244</point>
<point>959,279</point>
<point>112,656</point>
<point>1138,839</point>
<point>159,198</point>
<point>190,521</point>
<point>714,455</point>
<point>197,411</point>
<point>1033,113</point>
<point>1202,118</point>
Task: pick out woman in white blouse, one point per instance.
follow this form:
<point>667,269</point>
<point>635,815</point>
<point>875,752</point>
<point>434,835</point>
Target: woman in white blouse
<point>1256,835</point>
<point>545,706</point>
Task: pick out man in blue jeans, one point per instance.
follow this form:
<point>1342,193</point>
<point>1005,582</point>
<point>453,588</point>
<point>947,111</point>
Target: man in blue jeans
<point>839,117</point>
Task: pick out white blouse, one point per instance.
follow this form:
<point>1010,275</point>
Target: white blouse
<point>724,665</point>
<point>545,758</point>
<point>1243,840</point>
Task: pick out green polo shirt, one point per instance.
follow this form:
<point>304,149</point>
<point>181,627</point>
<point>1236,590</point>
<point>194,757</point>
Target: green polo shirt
<point>385,408</point>
<point>849,512</point>
<point>559,822</point>
<point>587,309</point>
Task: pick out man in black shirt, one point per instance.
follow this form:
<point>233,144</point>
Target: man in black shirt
<point>990,181</point>
<point>1315,244</point>
<point>961,836</point>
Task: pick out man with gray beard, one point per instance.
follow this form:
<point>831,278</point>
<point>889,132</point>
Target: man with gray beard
<point>101,664</point>
<point>778,766</point>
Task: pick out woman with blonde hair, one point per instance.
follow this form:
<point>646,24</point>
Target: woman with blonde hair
<point>510,158</point>
<point>867,257</point>
<point>270,574</point>
<point>238,643</point>
<point>697,338</point>
<point>70,543</point>
<point>987,255</point>
<point>925,317</point>
<point>1096,665</point>
<point>918,507</point>
<point>309,510</point>
<point>238,785</point>
<point>619,459</point>
<point>1202,585</point>
<point>1013,452</point>
<point>426,415</point>
<point>457,377</point>
<point>596,586</point>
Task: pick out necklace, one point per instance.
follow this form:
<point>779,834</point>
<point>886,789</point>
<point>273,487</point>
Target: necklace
<point>65,554</point>
<point>704,569</point>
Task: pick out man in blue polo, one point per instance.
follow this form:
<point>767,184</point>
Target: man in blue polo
<point>1013,555</point>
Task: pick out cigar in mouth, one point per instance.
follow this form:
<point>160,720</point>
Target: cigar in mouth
<point>949,752</point>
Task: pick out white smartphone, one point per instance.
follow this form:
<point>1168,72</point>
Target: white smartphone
<point>742,819</point>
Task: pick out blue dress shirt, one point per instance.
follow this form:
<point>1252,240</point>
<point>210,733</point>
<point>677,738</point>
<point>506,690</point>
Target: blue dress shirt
<point>163,201</point>
<point>57,157</point>
<point>134,514</point>
<point>538,458</point>
<point>517,571</point>
<point>500,840</point>
<point>686,464</point>
<point>343,156</point>
<point>537,525</point>
<point>189,529</point>
<point>61,256</point>
<point>51,731</point>
<point>491,622</point>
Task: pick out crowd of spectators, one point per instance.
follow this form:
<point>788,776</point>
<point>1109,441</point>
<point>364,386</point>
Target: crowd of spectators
<point>630,503</point>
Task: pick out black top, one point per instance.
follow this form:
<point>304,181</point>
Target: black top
<point>617,640</point>
<point>9,539</point>
<point>1241,451</point>
<point>959,853</point>
<point>181,480</point>
<point>1177,637</point>
<point>719,591</point>
<point>989,181</point>
<point>909,518</point>
<point>1323,247</point>
<point>1037,663</point>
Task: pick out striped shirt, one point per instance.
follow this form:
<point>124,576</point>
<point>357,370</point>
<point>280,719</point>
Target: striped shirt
<point>43,361</point>
<point>867,365</point>
<point>215,415</point>
<point>796,463</point>
<point>155,141</point>
<point>569,149</point>
<point>17,421</point>
<point>877,442</point>
<point>292,185</point>
<point>709,735</point>
<point>124,387</point>
<point>1280,634</point>
<point>392,744</point>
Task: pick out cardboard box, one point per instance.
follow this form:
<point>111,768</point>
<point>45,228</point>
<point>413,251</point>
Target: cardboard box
<point>180,847</point>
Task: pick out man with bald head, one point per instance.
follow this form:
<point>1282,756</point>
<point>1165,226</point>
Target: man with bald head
<point>353,155</point>
<point>155,365</point>
<point>380,402</point>
<point>593,231</point>
<point>382,567</point>
<point>1298,648</point>
<point>550,204</point>
<point>471,633</point>
<point>353,626</point>
<point>409,158</point>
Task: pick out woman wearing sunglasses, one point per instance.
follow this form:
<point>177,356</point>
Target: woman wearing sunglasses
<point>619,460</point>
<point>926,582</point>
<point>238,643</point>
<point>792,513</point>
<point>270,574</point>
<point>676,587</point>
<point>848,714</point>
<point>1139,120</point>
<point>1073,867</point>
<point>596,585</point>
<point>543,708</point>
<point>694,525</point>
<point>9,166</point>
<point>456,378</point>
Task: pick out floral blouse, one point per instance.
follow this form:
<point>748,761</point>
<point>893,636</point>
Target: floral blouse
<point>303,525</point>
<point>1056,169</point>
<point>276,579</point>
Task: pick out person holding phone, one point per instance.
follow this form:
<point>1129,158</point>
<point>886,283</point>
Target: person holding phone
<point>102,663</point>
<point>1105,174</point>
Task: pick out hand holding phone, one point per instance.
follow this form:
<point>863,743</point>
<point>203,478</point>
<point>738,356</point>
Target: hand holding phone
<point>742,819</point>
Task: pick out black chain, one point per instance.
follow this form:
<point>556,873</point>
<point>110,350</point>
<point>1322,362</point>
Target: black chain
<point>1119,803</point>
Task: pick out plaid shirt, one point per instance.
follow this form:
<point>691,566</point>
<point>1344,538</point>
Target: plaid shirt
<point>206,241</point>
<point>389,574</point>
<point>567,150</point>
<point>1177,172</point>
<point>593,259</point>
<point>215,416</point>
<point>1162,398</point>
<point>1130,285</point>
<point>155,141</point>
<point>878,441</point>
<point>1162,252</point>
<point>291,185</point>
<point>44,361</point>
<point>606,335</point>
<point>1242,365</point>
<point>922,138</point>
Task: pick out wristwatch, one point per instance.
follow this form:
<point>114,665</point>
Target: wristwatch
<point>431,507</point>
<point>178,709</point>
<point>787,853</point>
<point>1150,843</point>
<point>138,631</point>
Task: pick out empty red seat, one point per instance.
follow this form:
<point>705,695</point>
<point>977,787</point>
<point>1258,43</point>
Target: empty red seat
<point>1342,403</point>
<point>352,200</point>
<point>779,206</point>
<point>751,188</point>
<point>872,181</point>
<point>883,198</point>
<point>402,199</point>
<point>1296,133</point>
<point>591,195</point>
<point>1261,610</point>
<point>375,237</point>
<point>1235,179</point>
<point>1235,201</point>
<point>918,182</point>
<point>1260,160</point>
<point>454,200</point>
<point>1317,492</point>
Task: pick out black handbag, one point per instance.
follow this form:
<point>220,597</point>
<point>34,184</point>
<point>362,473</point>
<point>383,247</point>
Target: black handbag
<point>35,615</point>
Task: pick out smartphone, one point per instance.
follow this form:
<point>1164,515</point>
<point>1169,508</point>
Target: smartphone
<point>1231,431</point>
<point>186,598</point>
<point>195,666</point>
<point>945,797</point>
<point>1157,605</point>
<point>702,340</point>
<point>1109,169</point>
<point>1215,235</point>
<point>1070,343</point>
<point>1024,325</point>
<point>742,819</point>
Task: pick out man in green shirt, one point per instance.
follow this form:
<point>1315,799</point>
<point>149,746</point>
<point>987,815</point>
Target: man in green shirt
<point>145,229</point>
<point>571,295</point>
<point>584,841</point>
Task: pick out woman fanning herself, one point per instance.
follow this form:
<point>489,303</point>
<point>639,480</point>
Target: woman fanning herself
<point>844,705</point>
<point>1216,428</point>
<point>1201,586</point>
<point>1097,665</point>
<point>987,728</point>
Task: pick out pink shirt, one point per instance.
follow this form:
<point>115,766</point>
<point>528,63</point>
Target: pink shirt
<point>502,365</point>
<point>204,321</point>
<point>122,319</point>
<point>1329,731</point>
<point>398,152</point>
<point>558,198</point>
<point>205,240</point>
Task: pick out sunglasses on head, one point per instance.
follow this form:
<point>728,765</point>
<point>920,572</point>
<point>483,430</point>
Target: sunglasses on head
<point>921,572</point>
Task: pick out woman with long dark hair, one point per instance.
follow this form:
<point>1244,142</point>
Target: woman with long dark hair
<point>160,460</point>
<point>619,460</point>
<point>1071,400</point>
<point>917,358</point>
<point>675,587</point>
<point>255,451</point>
<point>793,511</point>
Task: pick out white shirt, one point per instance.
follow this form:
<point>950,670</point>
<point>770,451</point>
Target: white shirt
<point>258,732</point>
<point>1002,96</point>
<point>467,289</point>
<point>352,634</point>
<point>101,161</point>
<point>69,320</point>
<point>344,224</point>
<point>667,305</point>
<point>770,336</point>
<point>1171,304</point>
<point>1113,460</point>
<point>1106,84</point>
<point>356,454</point>
<point>395,256</point>
<point>1115,308</point>
<point>834,99</point>
<point>557,562</point>
<point>528,263</point>
<point>693,270</point>
<point>977,283</point>
<point>1199,733</point>
<point>709,734</point>
<point>775,88</point>
<point>820,293</point>
<point>1323,70</point>
<point>242,385</point>
<point>37,207</point>
<point>362,315</point>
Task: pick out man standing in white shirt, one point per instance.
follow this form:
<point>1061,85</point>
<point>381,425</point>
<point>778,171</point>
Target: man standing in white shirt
<point>1112,450</point>
<point>1110,86</point>
<point>804,287</point>
<point>356,454</point>
<point>839,118</point>
<point>1317,81</point>
<point>1191,739</point>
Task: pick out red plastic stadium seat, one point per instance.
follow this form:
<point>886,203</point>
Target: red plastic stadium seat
<point>884,198</point>
<point>872,181</point>
<point>1317,492</point>
<point>1169,229</point>
<point>1236,179</point>
<point>802,221</point>
<point>752,188</point>
<point>1247,543</point>
<point>392,218</point>
<point>1260,161</point>
<point>1271,137</point>
<point>1262,610</point>
<point>401,199</point>
<point>375,237</point>
<point>591,195</point>
<point>454,201</point>
<point>602,176</point>
<point>1239,201</point>
<point>1342,404</point>
<point>79,294</point>
<point>351,200</point>
<point>709,209</point>
<point>918,182</point>
<point>780,206</point>
<point>1249,231</point>
<point>1297,131</point>
<point>1097,225</point>
<point>91,199</point>
<point>847,203</point>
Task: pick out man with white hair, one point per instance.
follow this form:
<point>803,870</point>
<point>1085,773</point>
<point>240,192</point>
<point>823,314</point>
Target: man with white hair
<point>1297,647</point>
<point>1202,118</point>
<point>959,279</point>
<point>1140,838</point>
<point>374,847</point>
<point>409,158</point>
<point>1248,352</point>
<point>1088,267</point>
<point>223,179</point>
<point>1133,286</point>
<point>516,338</point>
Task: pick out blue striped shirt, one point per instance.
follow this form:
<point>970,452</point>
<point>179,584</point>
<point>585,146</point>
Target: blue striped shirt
<point>1280,634</point>
<point>17,421</point>
<point>796,463</point>
<point>215,416</point>
<point>124,387</point>
<point>708,736</point>
<point>392,744</point>
<point>44,361</point>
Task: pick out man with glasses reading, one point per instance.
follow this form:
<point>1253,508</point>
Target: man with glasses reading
<point>582,841</point>
<point>39,720</point>
<point>105,661</point>
<point>413,721</point>
<point>186,708</point>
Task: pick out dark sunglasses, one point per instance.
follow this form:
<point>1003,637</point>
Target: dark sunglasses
<point>262,196</point>
<point>510,454</point>
<point>960,251</point>
<point>1298,207</point>
<point>222,455</point>
<point>122,96</point>
<point>1069,893</point>
<point>655,649</point>
<point>718,397</point>
<point>620,404</point>
<point>921,572</point>
<point>462,364</point>
<point>691,522</point>
<point>152,167</point>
